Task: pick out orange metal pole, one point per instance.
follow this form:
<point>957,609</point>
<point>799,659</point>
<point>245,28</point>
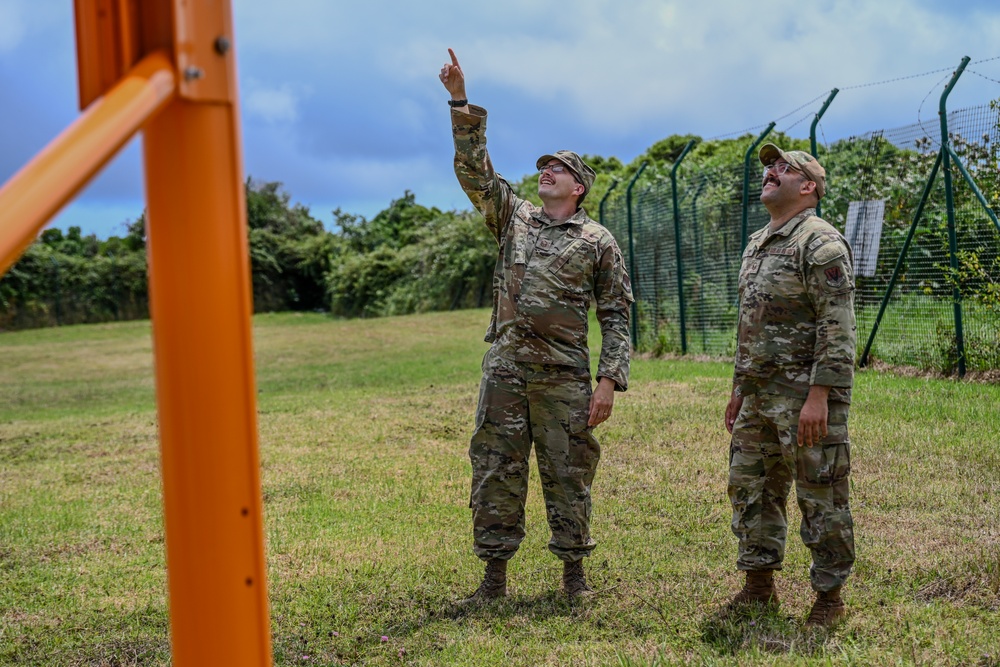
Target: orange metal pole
<point>43,186</point>
<point>200,298</point>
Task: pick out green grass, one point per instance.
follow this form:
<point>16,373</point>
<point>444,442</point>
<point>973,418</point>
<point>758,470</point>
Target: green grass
<point>364,434</point>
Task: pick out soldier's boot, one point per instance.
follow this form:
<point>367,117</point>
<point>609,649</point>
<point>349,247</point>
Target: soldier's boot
<point>758,589</point>
<point>575,580</point>
<point>494,585</point>
<point>827,610</point>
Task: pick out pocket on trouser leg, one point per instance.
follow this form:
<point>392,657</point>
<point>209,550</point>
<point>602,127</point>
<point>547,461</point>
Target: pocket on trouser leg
<point>584,449</point>
<point>827,526</point>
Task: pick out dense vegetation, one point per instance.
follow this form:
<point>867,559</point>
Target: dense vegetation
<point>407,258</point>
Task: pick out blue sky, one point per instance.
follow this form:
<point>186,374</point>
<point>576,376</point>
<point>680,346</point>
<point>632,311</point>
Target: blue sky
<point>340,100</point>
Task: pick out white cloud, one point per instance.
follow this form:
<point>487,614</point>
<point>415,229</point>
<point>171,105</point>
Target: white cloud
<point>619,65</point>
<point>12,25</point>
<point>274,105</point>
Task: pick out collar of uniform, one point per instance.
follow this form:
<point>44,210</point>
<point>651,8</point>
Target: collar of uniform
<point>793,222</point>
<point>577,218</point>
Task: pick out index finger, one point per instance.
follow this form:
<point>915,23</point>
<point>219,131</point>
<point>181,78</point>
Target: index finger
<point>454,58</point>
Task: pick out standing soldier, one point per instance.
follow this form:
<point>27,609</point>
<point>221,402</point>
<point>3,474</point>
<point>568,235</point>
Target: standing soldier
<point>536,385</point>
<point>792,388</point>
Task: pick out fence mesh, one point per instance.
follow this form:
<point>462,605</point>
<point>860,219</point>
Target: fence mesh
<point>876,185</point>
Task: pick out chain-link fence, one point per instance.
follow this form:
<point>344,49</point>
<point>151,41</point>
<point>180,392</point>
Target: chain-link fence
<point>940,301</point>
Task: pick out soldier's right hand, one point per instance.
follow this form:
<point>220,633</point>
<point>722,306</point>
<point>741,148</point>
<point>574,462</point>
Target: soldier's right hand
<point>453,78</point>
<point>733,410</point>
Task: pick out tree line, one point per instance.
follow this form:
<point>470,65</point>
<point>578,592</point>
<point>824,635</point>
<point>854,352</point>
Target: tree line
<point>407,258</point>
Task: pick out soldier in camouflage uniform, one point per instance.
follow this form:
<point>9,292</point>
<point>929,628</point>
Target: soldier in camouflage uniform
<point>536,387</point>
<point>792,388</point>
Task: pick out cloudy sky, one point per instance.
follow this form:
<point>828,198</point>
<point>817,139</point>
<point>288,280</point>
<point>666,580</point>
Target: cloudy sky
<point>341,101</point>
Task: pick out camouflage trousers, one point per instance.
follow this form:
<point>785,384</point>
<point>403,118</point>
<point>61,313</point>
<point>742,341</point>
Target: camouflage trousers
<point>764,460</point>
<point>521,404</point>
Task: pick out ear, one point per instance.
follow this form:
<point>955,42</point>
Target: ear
<point>807,187</point>
<point>578,189</point>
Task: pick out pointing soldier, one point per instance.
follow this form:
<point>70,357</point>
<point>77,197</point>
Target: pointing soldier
<point>792,388</point>
<point>536,386</point>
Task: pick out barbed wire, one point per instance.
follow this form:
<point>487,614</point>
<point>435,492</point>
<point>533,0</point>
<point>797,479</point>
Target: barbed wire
<point>982,76</point>
<point>949,70</point>
<point>920,122</point>
<point>782,117</point>
<point>797,122</point>
<point>812,101</point>
<point>739,133</point>
<point>898,78</point>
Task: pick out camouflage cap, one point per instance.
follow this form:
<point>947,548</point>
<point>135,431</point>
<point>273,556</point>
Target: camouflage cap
<point>799,160</point>
<point>583,172</point>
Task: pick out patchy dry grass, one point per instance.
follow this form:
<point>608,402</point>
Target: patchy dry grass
<point>364,431</point>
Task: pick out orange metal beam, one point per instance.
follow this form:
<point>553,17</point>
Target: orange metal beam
<point>54,176</point>
<point>200,297</point>
<point>201,306</point>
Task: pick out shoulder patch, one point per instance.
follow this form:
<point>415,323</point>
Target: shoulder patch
<point>828,252</point>
<point>835,277</point>
<point>816,243</point>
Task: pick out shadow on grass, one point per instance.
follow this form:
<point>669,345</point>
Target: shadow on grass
<point>315,640</point>
<point>544,605</point>
<point>760,630</point>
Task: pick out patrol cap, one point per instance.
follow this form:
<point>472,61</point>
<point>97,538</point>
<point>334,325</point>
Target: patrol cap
<point>800,160</point>
<point>583,173</point>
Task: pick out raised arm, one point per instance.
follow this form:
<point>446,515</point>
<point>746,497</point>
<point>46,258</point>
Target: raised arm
<point>489,193</point>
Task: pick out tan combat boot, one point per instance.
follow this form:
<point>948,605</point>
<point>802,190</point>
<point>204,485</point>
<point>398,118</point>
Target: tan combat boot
<point>494,584</point>
<point>758,589</point>
<point>827,611</point>
<point>574,580</point>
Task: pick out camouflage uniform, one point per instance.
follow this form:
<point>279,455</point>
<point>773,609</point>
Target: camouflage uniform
<point>796,329</point>
<point>536,384</point>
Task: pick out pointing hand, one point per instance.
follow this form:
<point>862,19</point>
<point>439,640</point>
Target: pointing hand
<point>453,78</point>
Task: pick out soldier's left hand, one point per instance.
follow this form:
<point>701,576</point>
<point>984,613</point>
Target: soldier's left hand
<point>453,77</point>
<point>812,420</point>
<point>602,402</point>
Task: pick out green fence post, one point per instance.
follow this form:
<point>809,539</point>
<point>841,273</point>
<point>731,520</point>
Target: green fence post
<point>677,245</point>
<point>600,208</point>
<point>812,136</point>
<point>631,256</point>
<point>746,185</point>
<point>949,194</point>
<point>699,236</point>
<point>899,261</point>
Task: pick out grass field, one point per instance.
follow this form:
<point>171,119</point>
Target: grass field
<point>364,433</point>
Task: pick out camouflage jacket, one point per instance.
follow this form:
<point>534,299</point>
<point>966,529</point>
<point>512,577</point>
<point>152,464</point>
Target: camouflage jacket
<point>547,272</point>
<point>796,323</point>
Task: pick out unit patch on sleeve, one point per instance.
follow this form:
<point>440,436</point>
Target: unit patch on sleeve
<point>834,276</point>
